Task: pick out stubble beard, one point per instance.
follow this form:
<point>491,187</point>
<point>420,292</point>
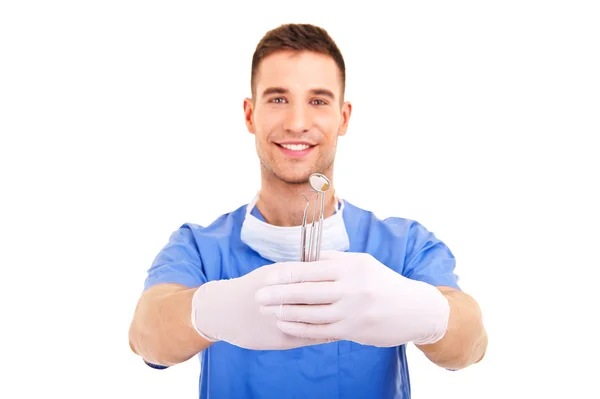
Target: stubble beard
<point>272,168</point>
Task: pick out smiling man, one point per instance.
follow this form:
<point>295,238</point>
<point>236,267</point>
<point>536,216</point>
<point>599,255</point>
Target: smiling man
<point>265,325</point>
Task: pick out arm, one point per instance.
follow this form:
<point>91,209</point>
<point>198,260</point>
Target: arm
<point>161,331</point>
<point>465,341</point>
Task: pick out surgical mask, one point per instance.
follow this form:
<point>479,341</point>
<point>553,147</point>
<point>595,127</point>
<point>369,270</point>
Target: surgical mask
<point>282,243</point>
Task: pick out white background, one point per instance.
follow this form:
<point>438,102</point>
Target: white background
<point>121,120</point>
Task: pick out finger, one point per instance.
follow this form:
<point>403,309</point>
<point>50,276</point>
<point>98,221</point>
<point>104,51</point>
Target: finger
<point>298,272</point>
<point>302,293</point>
<point>332,255</point>
<point>291,342</point>
<point>312,314</point>
<point>313,331</point>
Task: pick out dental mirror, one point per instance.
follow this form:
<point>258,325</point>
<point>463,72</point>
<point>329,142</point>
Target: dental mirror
<point>319,182</point>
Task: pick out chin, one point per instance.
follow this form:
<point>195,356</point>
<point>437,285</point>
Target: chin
<point>293,176</point>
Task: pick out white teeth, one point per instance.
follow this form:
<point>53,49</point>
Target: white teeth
<point>295,147</point>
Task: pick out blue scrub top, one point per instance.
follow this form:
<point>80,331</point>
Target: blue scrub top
<point>197,254</point>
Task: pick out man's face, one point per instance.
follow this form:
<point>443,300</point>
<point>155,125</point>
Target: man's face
<point>297,114</point>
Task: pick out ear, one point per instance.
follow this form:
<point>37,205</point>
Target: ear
<point>346,112</point>
<point>249,115</point>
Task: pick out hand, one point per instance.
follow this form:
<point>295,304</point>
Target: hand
<point>352,296</point>
<point>225,310</point>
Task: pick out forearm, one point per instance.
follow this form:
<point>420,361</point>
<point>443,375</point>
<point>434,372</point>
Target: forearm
<point>162,331</point>
<point>465,341</point>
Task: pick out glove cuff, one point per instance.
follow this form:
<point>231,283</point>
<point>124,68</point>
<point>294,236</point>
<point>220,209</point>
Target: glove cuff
<point>194,313</point>
<point>438,315</point>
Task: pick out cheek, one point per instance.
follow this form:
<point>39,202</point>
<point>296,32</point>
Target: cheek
<point>265,121</point>
<point>328,123</point>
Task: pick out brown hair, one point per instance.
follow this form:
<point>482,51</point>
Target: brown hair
<point>297,37</point>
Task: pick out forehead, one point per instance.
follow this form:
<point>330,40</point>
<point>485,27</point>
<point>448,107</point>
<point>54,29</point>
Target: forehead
<point>298,71</point>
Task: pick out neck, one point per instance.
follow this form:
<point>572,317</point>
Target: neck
<point>282,204</point>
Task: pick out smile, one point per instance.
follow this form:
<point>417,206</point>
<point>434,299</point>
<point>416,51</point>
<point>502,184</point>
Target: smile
<point>295,150</point>
<point>295,147</point>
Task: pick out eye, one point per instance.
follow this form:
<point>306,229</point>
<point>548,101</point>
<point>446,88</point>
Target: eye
<point>319,102</point>
<point>277,100</point>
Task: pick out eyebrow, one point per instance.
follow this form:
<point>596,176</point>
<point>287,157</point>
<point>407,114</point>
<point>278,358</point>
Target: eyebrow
<point>281,90</point>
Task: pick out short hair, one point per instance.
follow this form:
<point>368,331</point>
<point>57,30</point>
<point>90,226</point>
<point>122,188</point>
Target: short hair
<point>297,37</point>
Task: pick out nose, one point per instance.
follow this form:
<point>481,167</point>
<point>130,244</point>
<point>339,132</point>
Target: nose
<point>297,119</point>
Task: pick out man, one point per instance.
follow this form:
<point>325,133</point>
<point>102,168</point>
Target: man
<point>268,326</point>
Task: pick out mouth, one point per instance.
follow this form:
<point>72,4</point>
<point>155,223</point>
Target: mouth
<point>296,150</point>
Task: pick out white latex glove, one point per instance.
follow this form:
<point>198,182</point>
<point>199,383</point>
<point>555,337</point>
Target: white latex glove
<point>352,296</point>
<point>225,310</point>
